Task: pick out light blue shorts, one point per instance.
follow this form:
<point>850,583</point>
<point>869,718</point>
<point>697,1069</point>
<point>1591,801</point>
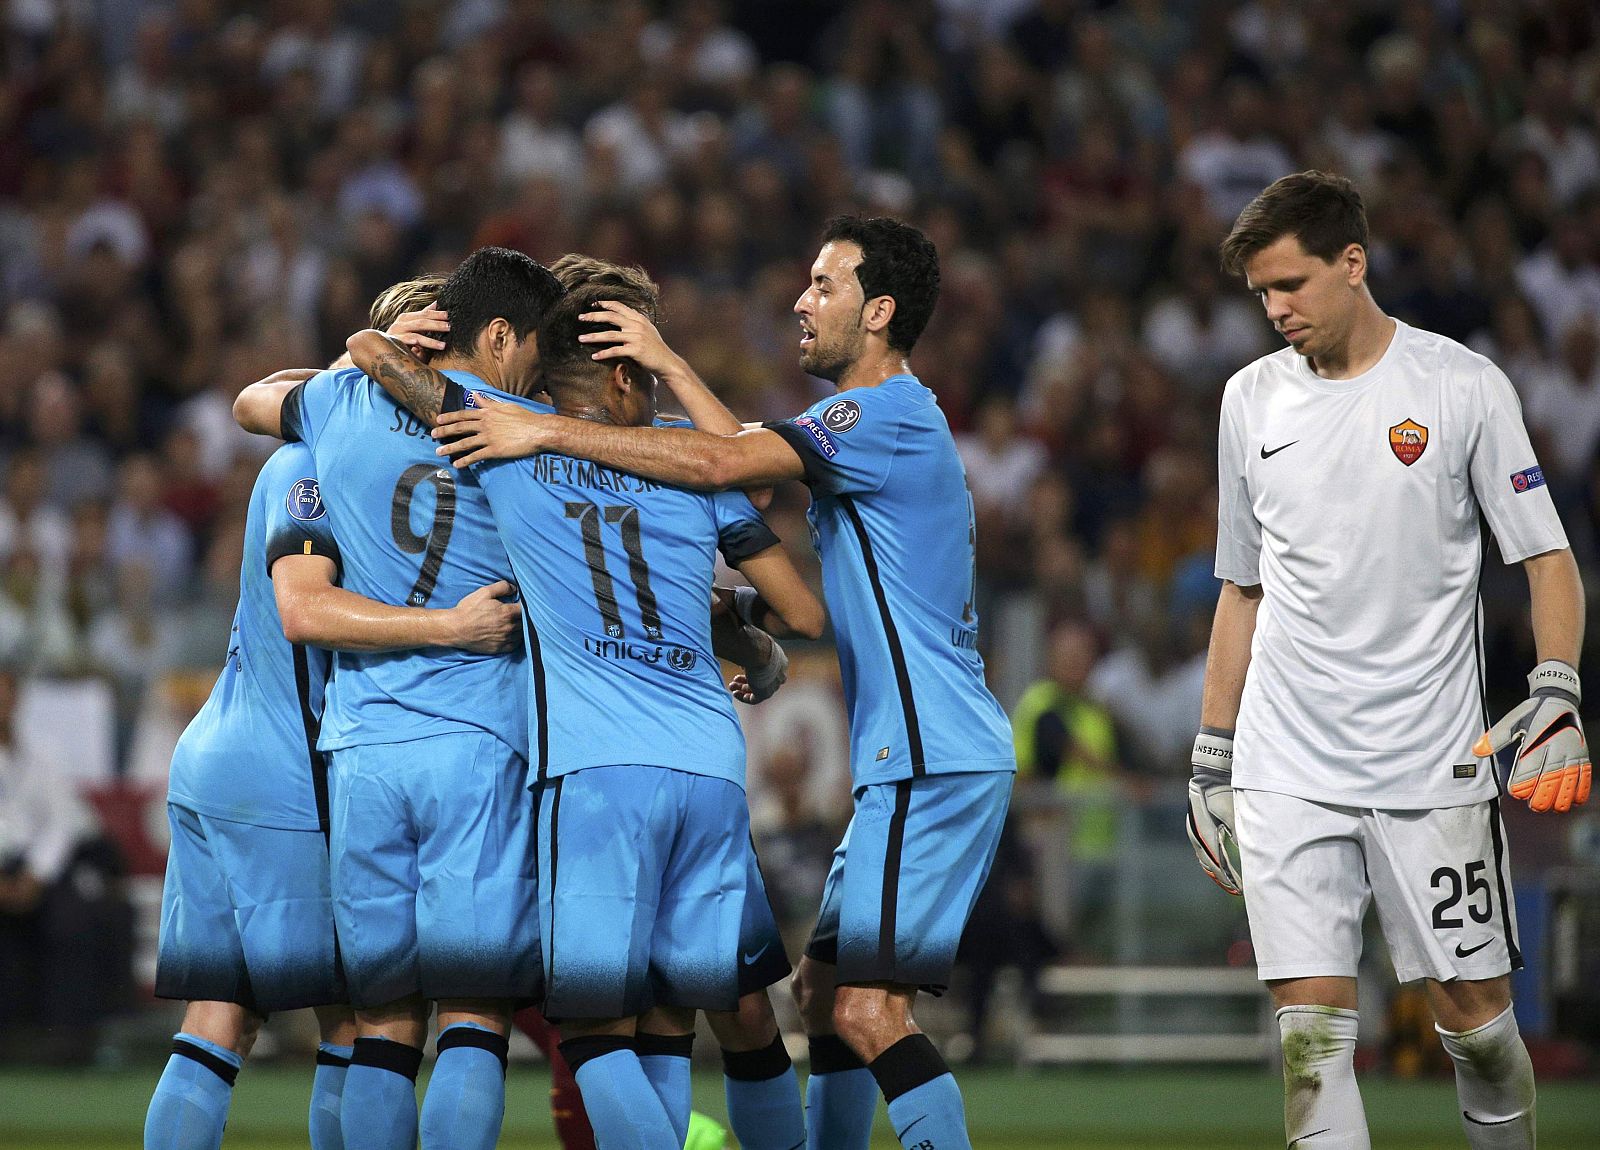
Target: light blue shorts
<point>642,896</point>
<point>433,870</point>
<point>246,916</point>
<point>906,876</point>
<point>762,957</point>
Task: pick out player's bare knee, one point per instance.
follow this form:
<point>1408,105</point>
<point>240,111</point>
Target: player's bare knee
<point>862,1014</point>
<point>751,1026</point>
<point>814,996</point>
<point>226,1023</point>
<point>490,1014</point>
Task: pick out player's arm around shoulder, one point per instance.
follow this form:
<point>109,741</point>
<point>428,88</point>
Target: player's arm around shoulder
<point>410,382</point>
<point>316,611</point>
<point>259,407</point>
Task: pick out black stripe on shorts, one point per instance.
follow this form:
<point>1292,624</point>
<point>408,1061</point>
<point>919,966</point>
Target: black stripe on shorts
<point>887,919</point>
<point>1497,835</point>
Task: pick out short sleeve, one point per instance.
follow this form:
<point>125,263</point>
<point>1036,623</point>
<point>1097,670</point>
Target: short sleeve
<point>305,408</point>
<point>741,531</point>
<point>297,518</point>
<point>1507,479</point>
<point>1238,530</point>
<point>846,443</point>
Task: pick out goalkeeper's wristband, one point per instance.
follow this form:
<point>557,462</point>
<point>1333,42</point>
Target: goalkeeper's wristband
<point>1213,751</point>
<point>1553,677</point>
<point>744,604</point>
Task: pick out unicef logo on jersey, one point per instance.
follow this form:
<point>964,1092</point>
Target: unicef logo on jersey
<point>682,659</point>
<point>305,501</point>
<point>841,415</point>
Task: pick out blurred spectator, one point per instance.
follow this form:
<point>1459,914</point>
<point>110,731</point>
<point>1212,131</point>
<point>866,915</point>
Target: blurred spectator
<point>143,533</point>
<point>1234,160</point>
<point>76,466</point>
<point>27,522</point>
<point>1561,278</point>
<point>1067,739</point>
<point>1001,463</point>
<point>1151,683</point>
<point>1203,332</point>
<point>66,931</point>
<point>36,632</point>
<point>1563,412</point>
<point>796,847</point>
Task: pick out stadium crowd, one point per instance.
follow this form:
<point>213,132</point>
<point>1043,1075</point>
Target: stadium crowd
<point>195,194</point>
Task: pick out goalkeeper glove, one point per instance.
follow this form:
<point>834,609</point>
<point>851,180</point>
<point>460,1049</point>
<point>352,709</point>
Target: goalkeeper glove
<point>1551,764</point>
<point>1210,822</point>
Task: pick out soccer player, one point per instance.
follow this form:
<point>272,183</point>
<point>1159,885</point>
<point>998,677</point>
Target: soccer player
<point>433,881</point>
<point>666,718</point>
<point>1343,719</point>
<point>931,752</point>
<point>247,921</point>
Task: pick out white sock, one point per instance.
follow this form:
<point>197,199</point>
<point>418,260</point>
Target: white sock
<point>1494,1081</point>
<point>1321,1103</point>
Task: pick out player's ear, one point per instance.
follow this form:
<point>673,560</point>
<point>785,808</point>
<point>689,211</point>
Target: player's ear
<point>877,312</point>
<point>496,339</point>
<point>621,379</point>
<point>1354,258</point>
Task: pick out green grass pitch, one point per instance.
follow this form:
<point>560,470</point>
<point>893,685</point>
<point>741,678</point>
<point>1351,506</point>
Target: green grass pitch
<point>1008,1110</point>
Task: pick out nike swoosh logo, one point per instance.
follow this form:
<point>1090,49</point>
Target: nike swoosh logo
<point>750,959</point>
<point>1462,952</point>
<point>1314,1133</point>
<point>1265,454</point>
<point>1565,723</point>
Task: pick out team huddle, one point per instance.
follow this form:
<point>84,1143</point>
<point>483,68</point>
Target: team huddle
<point>471,749</point>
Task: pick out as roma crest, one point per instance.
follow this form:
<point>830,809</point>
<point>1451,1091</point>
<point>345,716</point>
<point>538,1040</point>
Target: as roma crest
<point>1408,441</point>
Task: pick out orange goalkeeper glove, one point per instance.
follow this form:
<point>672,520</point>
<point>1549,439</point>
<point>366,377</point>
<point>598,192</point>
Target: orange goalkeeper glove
<point>1551,768</point>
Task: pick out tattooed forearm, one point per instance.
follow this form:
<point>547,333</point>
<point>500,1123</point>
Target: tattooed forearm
<point>412,384</point>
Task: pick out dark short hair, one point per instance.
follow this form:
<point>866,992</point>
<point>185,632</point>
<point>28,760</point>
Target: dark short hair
<point>1323,211</point>
<point>897,260</point>
<point>491,284</point>
<point>562,359</point>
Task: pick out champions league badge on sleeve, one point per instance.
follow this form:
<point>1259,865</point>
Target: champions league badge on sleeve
<point>305,501</point>
<point>841,415</point>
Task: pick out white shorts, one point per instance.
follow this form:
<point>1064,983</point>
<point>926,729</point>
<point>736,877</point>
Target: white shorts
<point>1440,878</point>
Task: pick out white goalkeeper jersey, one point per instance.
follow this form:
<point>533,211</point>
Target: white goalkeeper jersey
<point>1354,504</point>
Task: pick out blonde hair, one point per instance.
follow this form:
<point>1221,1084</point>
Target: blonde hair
<point>578,271</point>
<point>407,295</point>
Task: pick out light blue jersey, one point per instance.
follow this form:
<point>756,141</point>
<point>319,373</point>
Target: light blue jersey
<point>249,755</point>
<point>414,532</point>
<point>616,576</point>
<point>891,517</point>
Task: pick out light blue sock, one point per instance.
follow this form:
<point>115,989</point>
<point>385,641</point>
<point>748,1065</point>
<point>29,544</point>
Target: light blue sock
<point>378,1109</point>
<point>466,1100</point>
<point>931,1115</point>
<point>766,1115</point>
<point>622,1105</point>
<point>669,1077</point>
<point>839,1110</point>
<point>190,1104</point>
<point>326,1088</point>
